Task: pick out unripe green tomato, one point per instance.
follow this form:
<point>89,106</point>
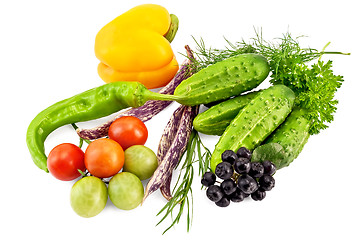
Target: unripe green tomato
<point>88,196</point>
<point>141,161</point>
<point>125,190</point>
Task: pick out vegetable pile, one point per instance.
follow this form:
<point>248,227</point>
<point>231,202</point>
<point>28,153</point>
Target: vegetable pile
<point>103,159</point>
<point>260,130</point>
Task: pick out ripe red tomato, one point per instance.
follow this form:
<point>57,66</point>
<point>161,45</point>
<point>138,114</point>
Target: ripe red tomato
<point>128,131</point>
<point>64,161</point>
<point>104,158</point>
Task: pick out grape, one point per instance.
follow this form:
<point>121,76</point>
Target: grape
<point>224,170</point>
<point>247,184</point>
<point>88,196</point>
<point>214,193</point>
<point>229,156</point>
<point>269,167</point>
<point>125,190</point>
<point>267,182</point>
<point>228,186</point>
<point>258,195</point>
<point>242,165</point>
<point>208,179</point>
<point>244,152</point>
<point>256,169</point>
<point>224,202</point>
<point>238,196</point>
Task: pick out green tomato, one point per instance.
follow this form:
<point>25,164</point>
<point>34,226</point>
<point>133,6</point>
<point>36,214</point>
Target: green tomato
<point>88,196</point>
<point>125,190</point>
<point>141,161</point>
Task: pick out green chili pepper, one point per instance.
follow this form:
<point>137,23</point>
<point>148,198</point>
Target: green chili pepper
<point>219,81</point>
<point>92,104</point>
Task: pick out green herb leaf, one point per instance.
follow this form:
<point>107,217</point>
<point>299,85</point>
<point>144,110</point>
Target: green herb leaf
<point>319,95</point>
<point>273,152</point>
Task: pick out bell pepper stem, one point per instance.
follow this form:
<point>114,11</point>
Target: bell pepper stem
<point>173,28</point>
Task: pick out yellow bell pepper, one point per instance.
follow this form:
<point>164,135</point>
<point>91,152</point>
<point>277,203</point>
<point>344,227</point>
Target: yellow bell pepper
<point>133,47</point>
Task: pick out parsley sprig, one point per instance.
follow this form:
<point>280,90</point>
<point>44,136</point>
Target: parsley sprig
<point>318,96</point>
<point>301,69</point>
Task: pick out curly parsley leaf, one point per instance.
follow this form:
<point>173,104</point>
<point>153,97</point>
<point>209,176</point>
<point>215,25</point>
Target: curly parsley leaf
<point>318,95</point>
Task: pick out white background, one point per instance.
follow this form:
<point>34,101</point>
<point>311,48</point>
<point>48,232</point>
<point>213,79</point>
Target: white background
<point>46,55</point>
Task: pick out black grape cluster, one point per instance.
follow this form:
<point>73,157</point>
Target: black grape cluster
<point>240,178</point>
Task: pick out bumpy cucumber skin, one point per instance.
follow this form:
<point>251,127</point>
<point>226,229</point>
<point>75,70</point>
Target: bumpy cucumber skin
<point>225,79</point>
<point>216,119</point>
<point>256,121</point>
<point>292,135</point>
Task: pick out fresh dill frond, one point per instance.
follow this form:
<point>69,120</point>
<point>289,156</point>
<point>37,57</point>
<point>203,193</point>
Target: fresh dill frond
<point>209,56</point>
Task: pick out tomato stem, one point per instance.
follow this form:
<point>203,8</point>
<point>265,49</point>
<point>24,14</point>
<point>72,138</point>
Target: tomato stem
<point>82,173</point>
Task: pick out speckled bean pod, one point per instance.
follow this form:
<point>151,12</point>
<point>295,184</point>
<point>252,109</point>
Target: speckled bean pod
<point>171,147</point>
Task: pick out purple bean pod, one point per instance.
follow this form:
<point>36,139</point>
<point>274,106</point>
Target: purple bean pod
<point>145,112</point>
<point>171,147</point>
<point>165,142</point>
<point>165,187</point>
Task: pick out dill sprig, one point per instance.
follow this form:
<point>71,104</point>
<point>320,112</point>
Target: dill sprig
<point>209,56</point>
<point>314,84</point>
<point>182,199</point>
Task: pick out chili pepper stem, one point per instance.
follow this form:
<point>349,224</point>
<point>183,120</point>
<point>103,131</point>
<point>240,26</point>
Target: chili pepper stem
<point>163,97</point>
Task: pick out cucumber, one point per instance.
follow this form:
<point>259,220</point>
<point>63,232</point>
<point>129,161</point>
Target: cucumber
<point>255,121</point>
<point>292,135</point>
<point>224,79</point>
<point>215,120</point>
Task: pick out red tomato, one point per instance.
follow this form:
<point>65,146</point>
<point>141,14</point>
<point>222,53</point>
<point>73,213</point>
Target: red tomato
<point>128,131</point>
<point>64,161</point>
<point>104,158</point>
